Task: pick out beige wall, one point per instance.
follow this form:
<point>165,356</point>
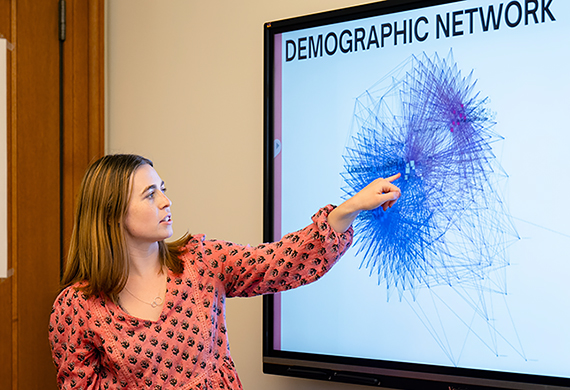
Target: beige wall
<point>185,88</point>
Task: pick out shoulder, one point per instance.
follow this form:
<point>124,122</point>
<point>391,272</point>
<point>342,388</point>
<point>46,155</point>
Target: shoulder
<point>198,248</point>
<point>194,243</point>
<point>72,301</point>
<point>70,294</point>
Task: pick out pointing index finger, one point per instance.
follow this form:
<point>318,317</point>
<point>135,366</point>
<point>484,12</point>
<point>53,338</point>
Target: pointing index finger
<point>394,177</point>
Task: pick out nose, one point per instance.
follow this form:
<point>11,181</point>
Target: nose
<point>166,202</point>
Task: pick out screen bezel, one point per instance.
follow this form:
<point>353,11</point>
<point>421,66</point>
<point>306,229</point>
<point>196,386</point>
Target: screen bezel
<point>389,374</point>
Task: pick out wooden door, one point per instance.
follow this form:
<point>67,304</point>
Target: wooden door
<point>55,127</point>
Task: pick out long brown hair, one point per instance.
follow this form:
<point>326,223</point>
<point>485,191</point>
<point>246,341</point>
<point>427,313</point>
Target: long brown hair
<point>98,255</point>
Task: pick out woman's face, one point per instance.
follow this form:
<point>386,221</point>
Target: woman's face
<point>148,219</point>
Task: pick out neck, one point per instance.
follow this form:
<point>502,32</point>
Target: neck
<point>144,260</point>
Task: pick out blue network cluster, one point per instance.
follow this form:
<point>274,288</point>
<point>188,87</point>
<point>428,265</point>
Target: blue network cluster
<point>450,227</point>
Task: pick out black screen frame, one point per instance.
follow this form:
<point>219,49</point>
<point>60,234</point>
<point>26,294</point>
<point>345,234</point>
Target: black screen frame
<point>381,373</point>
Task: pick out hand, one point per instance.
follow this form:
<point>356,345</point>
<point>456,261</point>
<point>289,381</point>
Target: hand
<point>380,193</point>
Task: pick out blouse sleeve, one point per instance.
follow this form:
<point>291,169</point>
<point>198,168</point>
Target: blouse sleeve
<point>298,258</point>
<point>75,357</point>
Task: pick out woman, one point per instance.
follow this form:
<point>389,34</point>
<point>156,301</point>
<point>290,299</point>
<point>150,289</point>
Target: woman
<point>136,312</point>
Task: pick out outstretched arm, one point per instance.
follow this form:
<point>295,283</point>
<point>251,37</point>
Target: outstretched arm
<point>380,193</point>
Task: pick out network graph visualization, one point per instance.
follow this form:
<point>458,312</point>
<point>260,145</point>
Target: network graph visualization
<point>451,226</point>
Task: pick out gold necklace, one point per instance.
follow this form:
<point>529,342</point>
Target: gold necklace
<point>157,301</point>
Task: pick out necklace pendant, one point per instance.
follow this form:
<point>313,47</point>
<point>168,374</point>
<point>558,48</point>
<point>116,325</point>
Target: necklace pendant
<point>156,302</point>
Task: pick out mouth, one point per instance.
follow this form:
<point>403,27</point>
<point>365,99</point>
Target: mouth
<point>167,219</point>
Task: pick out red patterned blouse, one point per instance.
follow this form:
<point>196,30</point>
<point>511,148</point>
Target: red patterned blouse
<point>96,345</point>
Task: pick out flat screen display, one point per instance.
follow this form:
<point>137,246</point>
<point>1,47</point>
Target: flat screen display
<point>467,275</point>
